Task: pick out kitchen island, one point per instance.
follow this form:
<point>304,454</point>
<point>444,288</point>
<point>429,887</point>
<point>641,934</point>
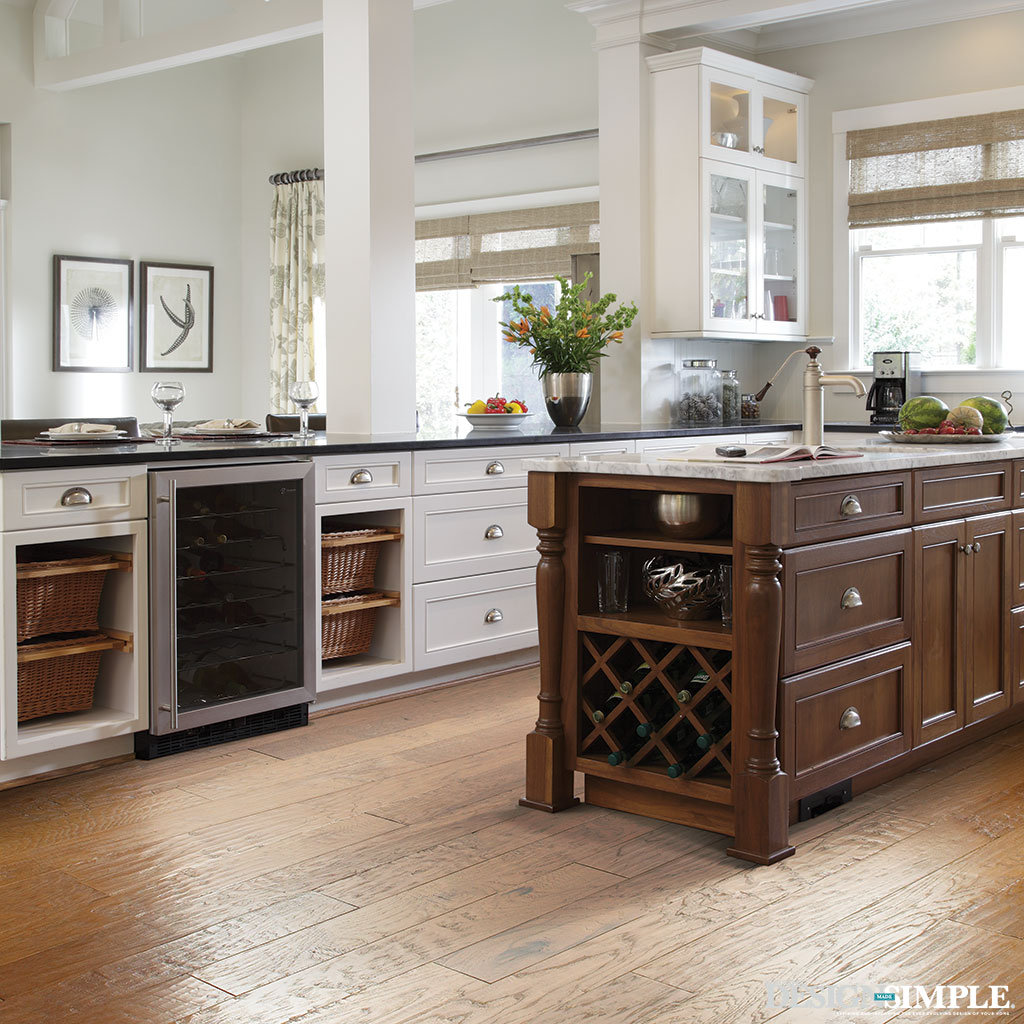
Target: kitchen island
<point>877,609</point>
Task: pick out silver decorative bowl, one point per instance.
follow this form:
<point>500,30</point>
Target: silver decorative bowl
<point>728,139</point>
<point>680,592</point>
<point>690,516</point>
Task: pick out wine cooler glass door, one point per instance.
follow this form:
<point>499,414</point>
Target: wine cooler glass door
<point>233,593</point>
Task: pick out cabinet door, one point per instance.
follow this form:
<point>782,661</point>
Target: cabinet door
<point>986,609</point>
<point>940,589</point>
<point>780,256</point>
<point>1017,578</point>
<point>778,127</point>
<point>727,234</point>
<point>1017,650</point>
<point>726,101</point>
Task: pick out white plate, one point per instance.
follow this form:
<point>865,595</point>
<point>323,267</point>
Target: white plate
<point>495,420</point>
<point>50,435</point>
<point>898,438</point>
<point>225,431</point>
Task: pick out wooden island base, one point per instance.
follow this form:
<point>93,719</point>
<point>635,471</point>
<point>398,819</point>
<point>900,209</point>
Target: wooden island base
<point>871,635</point>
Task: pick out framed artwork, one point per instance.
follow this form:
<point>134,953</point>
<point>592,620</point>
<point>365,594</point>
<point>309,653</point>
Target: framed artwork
<point>92,314</point>
<point>177,317</point>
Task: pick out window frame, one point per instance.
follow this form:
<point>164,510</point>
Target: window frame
<point>845,297</point>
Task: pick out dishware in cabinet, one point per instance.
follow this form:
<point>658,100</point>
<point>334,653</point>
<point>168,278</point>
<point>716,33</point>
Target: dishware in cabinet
<point>118,705</point>
<point>233,601</point>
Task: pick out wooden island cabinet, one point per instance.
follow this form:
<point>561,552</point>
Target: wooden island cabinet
<point>878,610</point>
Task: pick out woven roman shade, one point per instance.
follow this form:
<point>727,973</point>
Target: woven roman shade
<point>516,245</point>
<point>953,169</point>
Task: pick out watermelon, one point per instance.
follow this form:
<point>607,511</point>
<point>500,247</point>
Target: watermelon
<point>923,411</point>
<point>966,416</point>
<point>992,412</point>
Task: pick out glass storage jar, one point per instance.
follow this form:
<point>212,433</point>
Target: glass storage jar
<point>730,397</point>
<point>699,392</point>
<point>750,407</point>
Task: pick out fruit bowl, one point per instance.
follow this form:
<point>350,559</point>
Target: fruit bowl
<point>495,420</point>
<point>896,437</point>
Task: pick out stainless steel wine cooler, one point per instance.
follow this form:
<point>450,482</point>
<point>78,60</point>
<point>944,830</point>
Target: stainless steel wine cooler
<point>232,602</point>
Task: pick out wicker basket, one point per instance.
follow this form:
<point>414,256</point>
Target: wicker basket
<point>347,623</point>
<point>60,681</point>
<point>348,559</point>
<point>60,595</point>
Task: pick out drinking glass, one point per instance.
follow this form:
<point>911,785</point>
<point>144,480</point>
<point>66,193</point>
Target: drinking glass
<point>167,395</point>
<point>725,589</point>
<point>304,393</point>
<point>612,582</point>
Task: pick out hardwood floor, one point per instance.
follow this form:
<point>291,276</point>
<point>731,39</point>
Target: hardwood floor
<point>375,867</point>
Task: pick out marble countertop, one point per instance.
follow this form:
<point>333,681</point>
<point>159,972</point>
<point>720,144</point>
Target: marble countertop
<point>875,457</point>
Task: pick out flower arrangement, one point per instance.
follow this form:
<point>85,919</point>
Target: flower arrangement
<point>573,337</point>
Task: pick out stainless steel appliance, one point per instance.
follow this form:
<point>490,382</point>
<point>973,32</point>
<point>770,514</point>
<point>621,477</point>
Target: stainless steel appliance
<point>895,381</point>
<point>233,602</point>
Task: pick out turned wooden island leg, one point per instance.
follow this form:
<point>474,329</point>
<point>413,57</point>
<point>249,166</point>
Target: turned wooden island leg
<point>549,782</point>
<point>760,787</point>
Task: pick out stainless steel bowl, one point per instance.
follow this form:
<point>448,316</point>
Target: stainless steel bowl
<point>727,139</point>
<point>678,591</point>
<point>690,516</point>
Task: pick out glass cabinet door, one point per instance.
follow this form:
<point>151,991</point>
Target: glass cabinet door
<point>729,192</point>
<point>778,126</point>
<point>781,254</point>
<point>728,106</point>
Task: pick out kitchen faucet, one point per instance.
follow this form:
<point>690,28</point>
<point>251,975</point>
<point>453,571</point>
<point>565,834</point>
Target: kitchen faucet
<point>815,382</point>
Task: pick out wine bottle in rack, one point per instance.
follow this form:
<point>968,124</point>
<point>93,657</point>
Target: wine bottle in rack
<point>601,713</point>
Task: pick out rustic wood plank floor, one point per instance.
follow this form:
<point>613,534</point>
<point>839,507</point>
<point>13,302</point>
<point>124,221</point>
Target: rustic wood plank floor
<point>375,867</point>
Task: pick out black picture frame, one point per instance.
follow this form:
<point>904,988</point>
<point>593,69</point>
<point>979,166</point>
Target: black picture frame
<point>93,310</point>
<point>176,322</point>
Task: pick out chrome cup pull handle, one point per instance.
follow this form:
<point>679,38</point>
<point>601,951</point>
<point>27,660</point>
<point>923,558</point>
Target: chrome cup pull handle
<point>850,719</point>
<point>361,476</point>
<point>494,615</point>
<point>851,598</point>
<point>494,532</point>
<point>495,468</point>
<point>850,506</point>
<point>75,496</point>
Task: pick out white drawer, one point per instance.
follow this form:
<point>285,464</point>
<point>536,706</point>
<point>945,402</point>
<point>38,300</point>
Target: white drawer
<point>463,469</point>
<point>363,477</point>
<point>586,448</point>
<point>656,446</point>
<point>101,494</point>
<point>466,533</point>
<point>781,437</point>
<point>458,620</point>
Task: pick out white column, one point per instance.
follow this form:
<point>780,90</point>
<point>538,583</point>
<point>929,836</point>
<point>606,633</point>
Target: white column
<point>623,85</point>
<point>370,207</point>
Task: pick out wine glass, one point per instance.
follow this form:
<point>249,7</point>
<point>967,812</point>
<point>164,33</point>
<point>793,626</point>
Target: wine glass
<point>167,395</point>
<point>304,393</point>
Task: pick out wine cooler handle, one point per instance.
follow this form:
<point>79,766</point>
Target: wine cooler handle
<point>494,615</point>
<point>75,496</point>
<point>361,476</point>
<point>172,522</point>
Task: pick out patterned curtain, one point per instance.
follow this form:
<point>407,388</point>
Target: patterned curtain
<point>296,285</point>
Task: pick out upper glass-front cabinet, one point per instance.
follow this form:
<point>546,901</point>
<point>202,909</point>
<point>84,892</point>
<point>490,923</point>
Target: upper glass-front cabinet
<point>752,121</point>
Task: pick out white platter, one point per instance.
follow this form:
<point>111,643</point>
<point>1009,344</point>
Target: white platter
<point>51,435</point>
<point>222,431</point>
<point>897,438</point>
<point>495,420</point>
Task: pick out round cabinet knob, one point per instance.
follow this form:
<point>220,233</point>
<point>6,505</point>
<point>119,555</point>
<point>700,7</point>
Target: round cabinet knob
<point>75,496</point>
<point>966,549</point>
<point>494,615</point>
<point>850,719</point>
<point>851,598</point>
<point>976,546</point>
<point>495,468</point>
<point>850,506</point>
<point>494,532</point>
<point>361,476</point>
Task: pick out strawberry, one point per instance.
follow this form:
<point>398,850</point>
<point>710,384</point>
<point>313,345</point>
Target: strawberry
<point>947,430</point>
<point>974,430</point>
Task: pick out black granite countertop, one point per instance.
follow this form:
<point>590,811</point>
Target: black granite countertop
<point>14,456</point>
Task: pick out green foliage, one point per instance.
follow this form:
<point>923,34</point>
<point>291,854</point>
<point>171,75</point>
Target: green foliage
<point>573,337</point>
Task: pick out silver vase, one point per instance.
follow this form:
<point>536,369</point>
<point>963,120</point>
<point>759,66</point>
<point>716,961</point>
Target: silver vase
<point>566,397</point>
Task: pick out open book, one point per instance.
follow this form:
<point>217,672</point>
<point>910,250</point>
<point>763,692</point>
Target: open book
<point>766,453</point>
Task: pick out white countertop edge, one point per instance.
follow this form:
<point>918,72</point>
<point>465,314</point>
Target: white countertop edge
<point>876,458</point>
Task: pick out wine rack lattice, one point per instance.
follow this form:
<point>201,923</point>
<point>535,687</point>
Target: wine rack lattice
<point>657,706</point>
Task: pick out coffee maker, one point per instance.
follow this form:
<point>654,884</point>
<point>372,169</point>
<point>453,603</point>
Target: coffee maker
<point>894,383</point>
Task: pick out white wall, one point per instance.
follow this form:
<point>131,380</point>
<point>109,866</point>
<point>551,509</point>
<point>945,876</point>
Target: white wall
<point>942,60</point>
<point>146,168</point>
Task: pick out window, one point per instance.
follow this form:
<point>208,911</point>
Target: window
<point>936,233</point>
<point>462,265</point>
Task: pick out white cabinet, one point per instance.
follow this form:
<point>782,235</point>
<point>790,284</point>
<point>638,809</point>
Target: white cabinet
<point>591,449</point>
<point>728,215</point>
<point>363,477</point>
<point>470,469</point>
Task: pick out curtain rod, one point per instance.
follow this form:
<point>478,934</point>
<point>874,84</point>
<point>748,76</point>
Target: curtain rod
<point>288,177</point>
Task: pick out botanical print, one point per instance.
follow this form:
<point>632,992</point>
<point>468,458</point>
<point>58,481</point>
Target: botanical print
<point>93,311</point>
<point>178,317</point>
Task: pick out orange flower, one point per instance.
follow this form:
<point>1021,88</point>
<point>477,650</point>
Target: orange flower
<point>544,311</point>
<point>583,333</point>
<point>524,326</point>
<point>616,335</point>
<point>532,351</point>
